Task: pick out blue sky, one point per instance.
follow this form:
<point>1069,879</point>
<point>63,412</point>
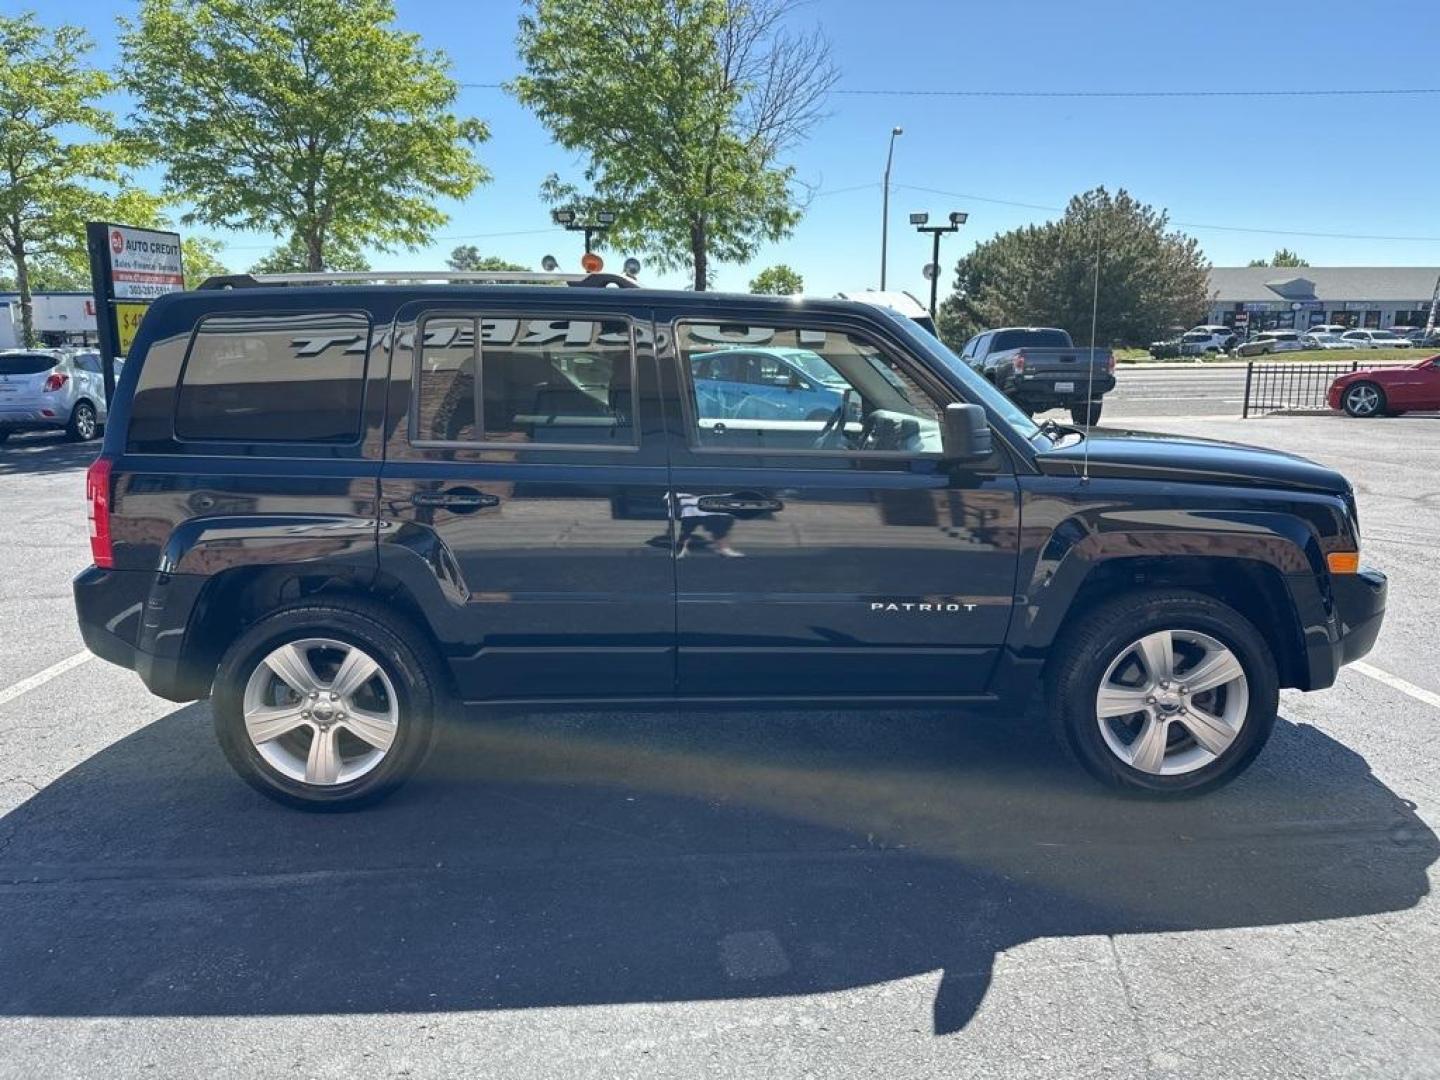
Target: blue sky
<point>1365,165</point>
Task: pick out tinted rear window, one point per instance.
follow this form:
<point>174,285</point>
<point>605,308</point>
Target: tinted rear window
<point>256,378</point>
<point>1030,339</point>
<point>26,364</point>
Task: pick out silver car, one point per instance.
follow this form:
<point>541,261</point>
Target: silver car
<point>44,389</point>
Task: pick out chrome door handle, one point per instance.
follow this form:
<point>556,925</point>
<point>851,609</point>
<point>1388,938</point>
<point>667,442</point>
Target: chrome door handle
<point>460,500</point>
<point>741,502</point>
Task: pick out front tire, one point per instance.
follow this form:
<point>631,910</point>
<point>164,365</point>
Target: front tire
<point>327,705</point>
<point>1165,693</point>
<point>1363,399</point>
<point>1086,413</point>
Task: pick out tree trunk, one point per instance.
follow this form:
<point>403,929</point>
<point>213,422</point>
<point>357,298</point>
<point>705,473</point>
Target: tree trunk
<point>314,253</point>
<point>22,283</point>
<point>698,254</point>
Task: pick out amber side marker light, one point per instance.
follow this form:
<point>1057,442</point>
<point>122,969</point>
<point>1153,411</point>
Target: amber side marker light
<point>1343,562</point>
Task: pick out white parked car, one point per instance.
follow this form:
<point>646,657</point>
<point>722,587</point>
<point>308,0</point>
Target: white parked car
<point>1377,339</point>
<point>1207,339</point>
<point>1270,341</point>
<point>1329,328</point>
<point>1321,340</point>
<point>52,389</point>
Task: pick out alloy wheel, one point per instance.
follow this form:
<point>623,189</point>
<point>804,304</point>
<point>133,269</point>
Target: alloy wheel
<point>321,711</point>
<point>1172,702</point>
<point>1363,400</point>
<point>84,421</point>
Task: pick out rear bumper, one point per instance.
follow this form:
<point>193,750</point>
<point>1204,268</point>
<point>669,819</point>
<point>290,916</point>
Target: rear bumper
<point>110,606</point>
<point>1357,612</point>
<point>1041,388</point>
<point>15,416</point>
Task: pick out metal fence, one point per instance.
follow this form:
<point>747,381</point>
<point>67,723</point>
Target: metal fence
<point>1275,387</point>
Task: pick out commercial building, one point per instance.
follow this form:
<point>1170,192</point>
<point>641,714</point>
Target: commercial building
<point>61,318</point>
<point>1275,297</point>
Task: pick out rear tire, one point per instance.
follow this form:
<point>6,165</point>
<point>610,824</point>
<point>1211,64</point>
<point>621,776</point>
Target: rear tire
<point>1086,413</point>
<point>376,736</point>
<point>83,423</point>
<point>1186,741</point>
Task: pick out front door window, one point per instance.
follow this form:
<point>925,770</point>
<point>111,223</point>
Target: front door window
<point>797,389</point>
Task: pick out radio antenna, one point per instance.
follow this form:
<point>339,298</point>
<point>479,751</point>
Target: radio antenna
<point>1090,385</point>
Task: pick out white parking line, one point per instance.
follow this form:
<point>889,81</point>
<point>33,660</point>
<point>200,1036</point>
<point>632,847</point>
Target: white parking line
<point>1419,693</point>
<point>40,678</point>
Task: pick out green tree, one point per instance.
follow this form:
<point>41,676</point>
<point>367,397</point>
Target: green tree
<point>313,119</point>
<point>201,256</point>
<point>1282,257</point>
<point>1150,278</point>
<point>61,163</point>
<point>467,257</point>
<point>777,281</point>
<point>293,257</point>
<point>683,109</point>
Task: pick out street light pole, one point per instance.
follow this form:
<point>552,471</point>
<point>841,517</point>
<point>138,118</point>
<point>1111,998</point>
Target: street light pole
<point>885,205</point>
<point>920,220</point>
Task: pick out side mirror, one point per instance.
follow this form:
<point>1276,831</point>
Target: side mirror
<point>965,435</point>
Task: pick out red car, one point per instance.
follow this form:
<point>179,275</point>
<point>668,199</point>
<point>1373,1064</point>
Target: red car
<point>1388,391</point>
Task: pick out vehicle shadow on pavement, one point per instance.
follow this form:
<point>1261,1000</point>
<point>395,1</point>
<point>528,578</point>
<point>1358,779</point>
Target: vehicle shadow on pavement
<point>45,454</point>
<point>608,859</point>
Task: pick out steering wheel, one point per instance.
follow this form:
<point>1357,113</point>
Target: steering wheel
<point>834,424</point>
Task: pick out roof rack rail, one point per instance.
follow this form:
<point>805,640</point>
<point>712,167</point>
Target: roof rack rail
<point>418,277</point>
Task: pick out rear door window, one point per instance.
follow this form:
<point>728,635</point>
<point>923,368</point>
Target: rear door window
<point>519,379</point>
<point>280,378</point>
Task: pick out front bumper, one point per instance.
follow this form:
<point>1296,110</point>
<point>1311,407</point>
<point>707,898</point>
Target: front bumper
<point>1357,611</point>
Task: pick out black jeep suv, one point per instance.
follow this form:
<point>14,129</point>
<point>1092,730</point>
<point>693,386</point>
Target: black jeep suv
<point>343,511</point>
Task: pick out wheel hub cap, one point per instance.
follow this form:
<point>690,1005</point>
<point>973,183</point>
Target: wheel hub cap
<point>1172,702</point>
<point>321,711</point>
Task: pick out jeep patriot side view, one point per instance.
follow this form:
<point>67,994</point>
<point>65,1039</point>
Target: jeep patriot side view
<point>339,511</point>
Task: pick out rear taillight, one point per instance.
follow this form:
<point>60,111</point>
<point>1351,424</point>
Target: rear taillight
<point>97,494</point>
<point>56,381</point>
<point>1019,362</point>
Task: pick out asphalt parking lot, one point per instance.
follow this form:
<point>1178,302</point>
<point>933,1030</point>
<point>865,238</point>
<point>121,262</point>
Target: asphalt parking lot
<point>776,894</point>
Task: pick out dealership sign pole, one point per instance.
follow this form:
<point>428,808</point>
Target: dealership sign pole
<point>128,269</point>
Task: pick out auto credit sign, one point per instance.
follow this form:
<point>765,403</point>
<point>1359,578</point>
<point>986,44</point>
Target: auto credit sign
<point>144,264</point>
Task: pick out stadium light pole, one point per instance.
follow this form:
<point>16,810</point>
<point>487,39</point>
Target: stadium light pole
<point>885,204</point>
<point>921,223</point>
<point>571,222</point>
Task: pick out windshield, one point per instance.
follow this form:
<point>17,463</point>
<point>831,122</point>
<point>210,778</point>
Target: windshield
<point>978,387</point>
